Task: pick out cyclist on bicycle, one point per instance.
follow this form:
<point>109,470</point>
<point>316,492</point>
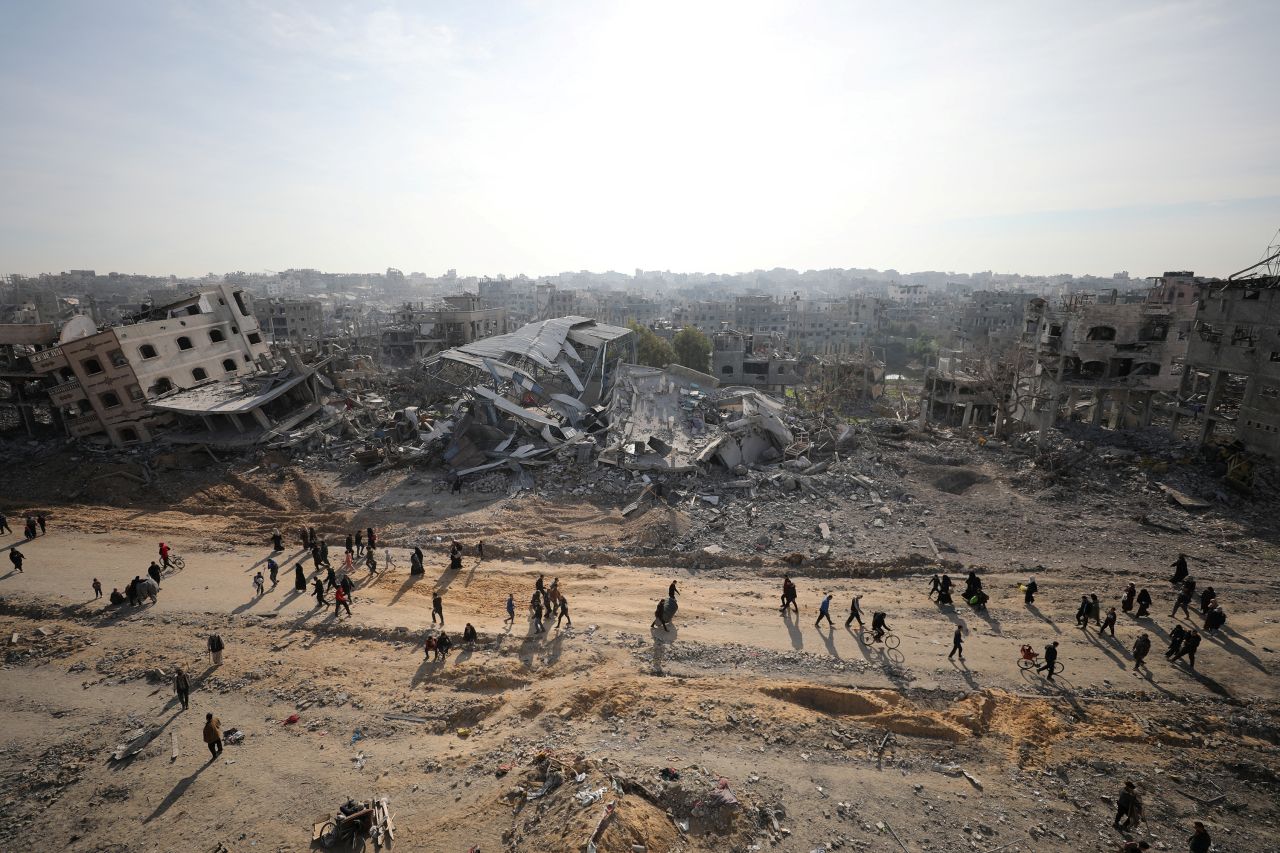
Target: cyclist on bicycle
<point>878,628</point>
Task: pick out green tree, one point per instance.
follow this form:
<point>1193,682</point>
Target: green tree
<point>693,349</point>
<point>651,350</point>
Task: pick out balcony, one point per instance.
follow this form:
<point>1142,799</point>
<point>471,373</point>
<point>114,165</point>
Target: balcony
<point>66,393</point>
<point>84,425</point>
<point>47,360</point>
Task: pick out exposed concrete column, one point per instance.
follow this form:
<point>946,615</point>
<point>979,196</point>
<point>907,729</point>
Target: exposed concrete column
<point>235,421</point>
<point>967,420</point>
<point>1147,408</point>
<point>262,419</point>
<point>1099,397</point>
<point>1072,395</point>
<point>208,423</point>
<point>1211,403</point>
<point>1121,409</point>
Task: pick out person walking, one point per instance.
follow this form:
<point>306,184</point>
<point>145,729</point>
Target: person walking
<point>564,612</point>
<point>299,578</point>
<point>369,537</point>
<point>1082,612</point>
<point>318,592</point>
<point>4,524</point>
<point>469,636</point>
<point>1182,602</point>
<point>1189,646</point>
<point>1206,596</point>
<point>1179,569</point>
<point>437,607</point>
<point>1141,648</point>
<point>1050,658</point>
<point>216,648</point>
<point>1176,636</point>
<point>1030,590</point>
<point>258,584</point>
<point>213,736</point>
<point>789,596</point>
<point>311,537</point>
<point>153,571</point>
<point>40,521</point>
<point>660,615</point>
<point>1128,808</point>
<point>182,688</point>
<point>480,552</point>
<point>277,541</point>
<point>331,578</point>
<point>1144,603</point>
<point>1109,624</point>
<point>324,552</point>
<point>273,571</point>
<point>345,584</point>
<point>340,602</point>
<point>97,588</point>
<point>671,590</point>
<point>935,583</point>
<point>855,611</point>
<point>957,644</point>
<point>351,544</point>
<point>511,610</point>
<point>1095,609</point>
<point>1199,842</point>
<point>16,557</point>
<point>535,608</point>
<point>824,612</point>
<point>1126,601</point>
<point>359,543</point>
<point>164,555</point>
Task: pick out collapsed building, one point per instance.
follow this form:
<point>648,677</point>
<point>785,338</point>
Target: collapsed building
<point>1232,383</point>
<point>1110,362</point>
<point>959,391</point>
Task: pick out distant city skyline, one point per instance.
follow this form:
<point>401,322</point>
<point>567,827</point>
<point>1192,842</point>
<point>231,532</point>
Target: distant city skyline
<point>506,138</point>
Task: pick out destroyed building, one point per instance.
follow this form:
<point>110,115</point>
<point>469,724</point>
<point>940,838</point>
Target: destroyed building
<point>958,391</point>
<point>419,331</point>
<point>264,409</point>
<point>296,321</point>
<point>1232,381</point>
<point>100,380</point>
<point>755,360</point>
<point>1103,360</point>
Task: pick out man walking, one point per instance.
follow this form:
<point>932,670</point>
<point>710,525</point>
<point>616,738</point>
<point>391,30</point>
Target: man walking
<point>164,555</point>
<point>824,612</point>
<point>1199,842</point>
<point>4,524</point>
<point>1141,648</point>
<point>216,647</point>
<point>437,608</point>
<point>153,571</point>
<point>258,584</point>
<point>511,610</point>
<point>1050,658</point>
<point>16,557</point>
<point>1128,808</point>
<point>1189,646</point>
<point>957,644</point>
<point>1183,600</point>
<point>564,612</point>
<point>789,596</point>
<point>855,611</point>
<point>660,615</point>
<point>213,736</point>
<point>182,688</point>
<point>40,521</point>
<point>1082,612</point>
<point>1179,569</point>
<point>97,588</point>
<point>318,592</point>
<point>1176,636</point>
<point>1109,623</point>
<point>340,602</point>
<point>273,570</point>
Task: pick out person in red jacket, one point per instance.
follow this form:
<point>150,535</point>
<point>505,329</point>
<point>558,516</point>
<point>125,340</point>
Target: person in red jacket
<point>164,555</point>
<point>340,601</point>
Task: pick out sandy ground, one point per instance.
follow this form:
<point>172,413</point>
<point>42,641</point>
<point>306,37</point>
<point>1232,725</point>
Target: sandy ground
<point>794,716</point>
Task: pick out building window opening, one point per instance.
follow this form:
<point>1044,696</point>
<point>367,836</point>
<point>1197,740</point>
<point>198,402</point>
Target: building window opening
<point>91,366</point>
<point>255,338</point>
<point>129,435</point>
<point>147,351</point>
<point>1101,333</point>
<point>185,343</point>
<point>216,336</point>
<point>229,365</point>
<point>199,374</point>
<point>162,385</point>
<point>110,400</point>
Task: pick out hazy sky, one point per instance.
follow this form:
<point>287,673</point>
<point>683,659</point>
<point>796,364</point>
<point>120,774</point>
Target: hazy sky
<point>538,137</point>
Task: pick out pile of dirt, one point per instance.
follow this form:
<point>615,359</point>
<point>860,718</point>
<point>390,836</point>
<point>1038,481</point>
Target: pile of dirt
<point>880,709</point>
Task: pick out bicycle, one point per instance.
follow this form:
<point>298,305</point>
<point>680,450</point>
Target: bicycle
<point>1031,660</point>
<point>890,640</point>
<point>176,564</point>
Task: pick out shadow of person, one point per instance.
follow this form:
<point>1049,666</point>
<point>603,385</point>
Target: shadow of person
<point>176,794</point>
<point>829,640</point>
<point>793,628</point>
<point>665,637</point>
<point>1105,648</point>
<point>293,594</point>
<point>426,668</point>
<point>404,587</point>
<point>1232,647</point>
<point>1035,611</point>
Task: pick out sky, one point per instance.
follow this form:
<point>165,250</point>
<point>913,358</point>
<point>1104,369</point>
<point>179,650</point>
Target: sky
<point>193,136</point>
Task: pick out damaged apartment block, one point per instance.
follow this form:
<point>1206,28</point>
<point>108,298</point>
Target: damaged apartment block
<point>1232,384</point>
<point>1111,363</point>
